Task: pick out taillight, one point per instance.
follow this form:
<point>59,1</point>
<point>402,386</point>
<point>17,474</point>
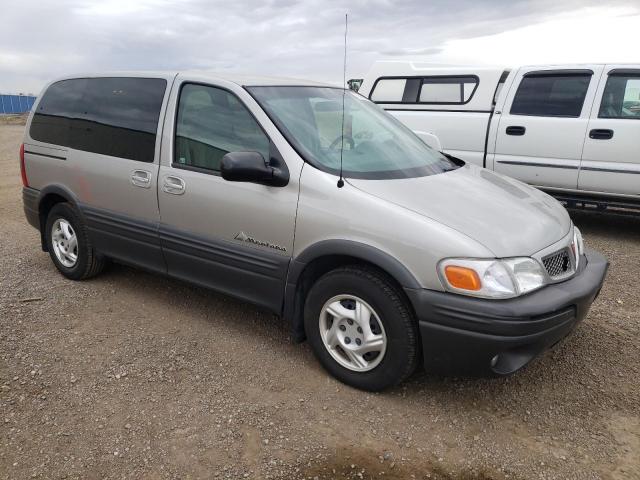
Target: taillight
<point>23,171</point>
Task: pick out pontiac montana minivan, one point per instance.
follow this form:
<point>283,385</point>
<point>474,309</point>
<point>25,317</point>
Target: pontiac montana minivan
<point>235,184</point>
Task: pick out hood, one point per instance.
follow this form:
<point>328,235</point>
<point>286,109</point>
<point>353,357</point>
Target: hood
<point>506,216</point>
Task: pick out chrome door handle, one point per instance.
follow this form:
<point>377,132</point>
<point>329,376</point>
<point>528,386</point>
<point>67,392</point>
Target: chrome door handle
<point>141,178</point>
<point>173,185</point>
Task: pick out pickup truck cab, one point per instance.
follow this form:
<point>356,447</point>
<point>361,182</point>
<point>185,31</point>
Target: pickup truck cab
<point>314,204</point>
<point>568,129</point>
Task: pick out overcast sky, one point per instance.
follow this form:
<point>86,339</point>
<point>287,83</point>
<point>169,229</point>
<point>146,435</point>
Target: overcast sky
<point>43,39</point>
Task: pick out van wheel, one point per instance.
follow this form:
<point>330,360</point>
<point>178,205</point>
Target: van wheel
<point>361,328</point>
<point>69,245</point>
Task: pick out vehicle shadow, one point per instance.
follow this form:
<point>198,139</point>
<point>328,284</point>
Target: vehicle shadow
<point>558,375</point>
<point>624,227</point>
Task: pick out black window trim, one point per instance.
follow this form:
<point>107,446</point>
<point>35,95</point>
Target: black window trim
<point>574,72</point>
<point>427,79</point>
<point>159,123</point>
<point>624,72</point>
<point>553,73</point>
<point>274,153</point>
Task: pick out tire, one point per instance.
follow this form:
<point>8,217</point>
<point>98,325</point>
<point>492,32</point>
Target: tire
<point>391,324</point>
<point>61,249</point>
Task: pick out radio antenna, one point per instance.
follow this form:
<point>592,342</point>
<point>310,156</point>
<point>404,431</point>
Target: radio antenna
<point>344,92</point>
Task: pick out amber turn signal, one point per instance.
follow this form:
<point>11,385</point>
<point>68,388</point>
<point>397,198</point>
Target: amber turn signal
<point>463,278</point>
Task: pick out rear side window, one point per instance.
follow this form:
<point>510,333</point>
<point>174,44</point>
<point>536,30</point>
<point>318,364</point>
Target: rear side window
<point>117,117</point>
<point>434,90</point>
<point>551,95</point>
<point>58,107</point>
<point>621,97</point>
<point>211,123</point>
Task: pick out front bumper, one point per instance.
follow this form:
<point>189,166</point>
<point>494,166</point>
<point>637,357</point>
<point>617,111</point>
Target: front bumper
<point>466,335</point>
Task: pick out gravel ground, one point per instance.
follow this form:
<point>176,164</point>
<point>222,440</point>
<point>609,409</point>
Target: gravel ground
<point>136,375</point>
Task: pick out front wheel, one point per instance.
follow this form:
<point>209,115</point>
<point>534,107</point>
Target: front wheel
<point>361,328</point>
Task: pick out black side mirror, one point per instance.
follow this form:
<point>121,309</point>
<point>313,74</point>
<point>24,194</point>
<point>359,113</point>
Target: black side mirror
<point>252,167</point>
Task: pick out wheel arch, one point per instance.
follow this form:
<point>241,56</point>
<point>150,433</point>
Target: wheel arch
<point>50,196</point>
<point>325,256</point>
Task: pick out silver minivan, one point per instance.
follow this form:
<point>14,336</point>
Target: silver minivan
<point>311,202</point>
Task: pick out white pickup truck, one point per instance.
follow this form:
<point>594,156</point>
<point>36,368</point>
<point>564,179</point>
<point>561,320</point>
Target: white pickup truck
<point>571,130</point>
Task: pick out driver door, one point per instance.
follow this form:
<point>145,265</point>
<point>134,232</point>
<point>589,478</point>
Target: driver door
<point>234,237</point>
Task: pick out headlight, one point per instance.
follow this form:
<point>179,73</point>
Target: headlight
<point>578,242</point>
<point>492,278</point>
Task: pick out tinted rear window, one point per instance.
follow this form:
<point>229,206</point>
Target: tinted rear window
<point>110,116</point>
<point>551,95</point>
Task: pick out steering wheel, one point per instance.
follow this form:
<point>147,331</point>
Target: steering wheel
<point>347,138</point>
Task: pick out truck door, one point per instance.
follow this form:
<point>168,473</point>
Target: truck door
<point>543,124</point>
<point>610,161</point>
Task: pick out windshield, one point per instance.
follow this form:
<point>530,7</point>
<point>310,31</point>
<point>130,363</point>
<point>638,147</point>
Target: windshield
<point>374,144</point>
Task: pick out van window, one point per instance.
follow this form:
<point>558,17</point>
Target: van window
<point>551,95</point>
<point>621,97</point>
<point>360,139</point>
<point>211,123</point>
<point>56,110</point>
<point>109,116</point>
<point>389,90</point>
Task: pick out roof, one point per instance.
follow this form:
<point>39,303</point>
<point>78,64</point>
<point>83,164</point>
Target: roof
<point>249,80</point>
<point>205,75</point>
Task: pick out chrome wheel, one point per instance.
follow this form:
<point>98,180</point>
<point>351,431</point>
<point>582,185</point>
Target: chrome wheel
<point>352,333</point>
<point>64,242</point>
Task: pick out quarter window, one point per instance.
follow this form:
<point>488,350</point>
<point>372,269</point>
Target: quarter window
<point>109,116</point>
<point>56,110</point>
<point>438,90</point>
<point>211,123</point>
<point>621,97</point>
<point>551,95</point>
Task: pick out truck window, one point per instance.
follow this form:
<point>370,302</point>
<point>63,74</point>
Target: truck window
<point>450,90</point>
<point>551,95</point>
<point>109,116</point>
<point>436,90</point>
<point>211,123</point>
<point>389,90</point>
<point>621,97</point>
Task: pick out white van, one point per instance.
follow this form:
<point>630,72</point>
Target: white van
<point>571,130</point>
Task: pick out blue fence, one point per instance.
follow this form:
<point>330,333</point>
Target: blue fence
<point>16,103</point>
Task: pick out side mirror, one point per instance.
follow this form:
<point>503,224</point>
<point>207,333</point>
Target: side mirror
<point>252,167</point>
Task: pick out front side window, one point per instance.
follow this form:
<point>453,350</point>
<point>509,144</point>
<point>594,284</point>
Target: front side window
<point>621,97</point>
<point>372,144</point>
<point>117,117</point>
<point>551,95</point>
<point>211,123</point>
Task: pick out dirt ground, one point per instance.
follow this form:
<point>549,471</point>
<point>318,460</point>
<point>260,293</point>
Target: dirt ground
<point>132,375</point>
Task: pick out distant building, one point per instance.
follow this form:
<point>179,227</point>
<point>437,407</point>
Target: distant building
<point>16,103</point>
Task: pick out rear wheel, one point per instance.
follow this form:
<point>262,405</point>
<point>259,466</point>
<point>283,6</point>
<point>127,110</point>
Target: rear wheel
<point>361,328</point>
<point>69,245</point>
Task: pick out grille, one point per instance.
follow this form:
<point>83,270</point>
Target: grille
<point>558,264</point>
